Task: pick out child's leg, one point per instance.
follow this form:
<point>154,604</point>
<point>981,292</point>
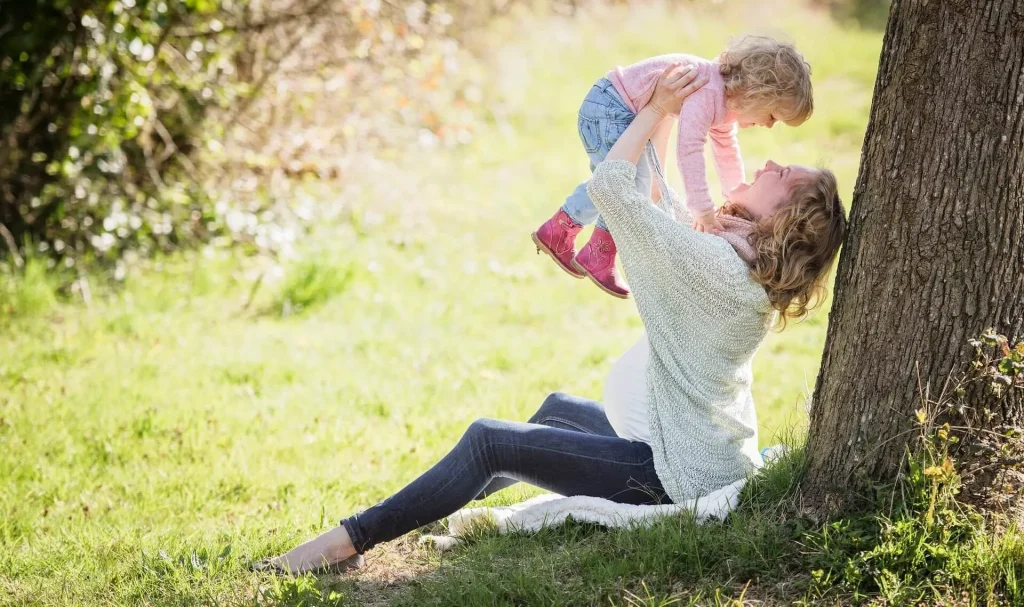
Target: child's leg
<point>557,236</point>
<point>578,205</point>
<point>596,259</point>
<point>602,119</point>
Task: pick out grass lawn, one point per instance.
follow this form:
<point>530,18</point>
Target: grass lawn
<point>158,440</point>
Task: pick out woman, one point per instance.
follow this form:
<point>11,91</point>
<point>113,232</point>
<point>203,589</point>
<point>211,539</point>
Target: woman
<point>707,302</point>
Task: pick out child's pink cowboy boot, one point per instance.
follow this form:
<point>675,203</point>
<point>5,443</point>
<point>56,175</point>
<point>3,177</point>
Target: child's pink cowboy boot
<point>557,238</point>
<point>597,261</point>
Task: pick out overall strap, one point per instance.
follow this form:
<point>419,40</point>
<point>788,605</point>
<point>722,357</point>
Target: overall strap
<point>667,201</point>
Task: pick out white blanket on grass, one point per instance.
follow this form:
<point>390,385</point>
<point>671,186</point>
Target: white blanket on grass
<point>552,509</point>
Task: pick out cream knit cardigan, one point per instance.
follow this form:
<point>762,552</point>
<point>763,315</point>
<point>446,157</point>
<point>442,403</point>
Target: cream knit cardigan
<point>705,319</point>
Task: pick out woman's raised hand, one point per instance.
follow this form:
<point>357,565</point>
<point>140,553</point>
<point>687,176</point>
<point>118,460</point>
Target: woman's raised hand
<point>675,84</point>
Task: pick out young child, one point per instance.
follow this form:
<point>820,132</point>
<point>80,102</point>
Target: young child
<point>756,81</point>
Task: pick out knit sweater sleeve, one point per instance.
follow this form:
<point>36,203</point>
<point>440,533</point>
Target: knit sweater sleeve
<point>657,252</point>
<point>704,318</point>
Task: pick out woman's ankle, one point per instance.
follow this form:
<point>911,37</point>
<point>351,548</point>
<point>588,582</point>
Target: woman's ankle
<point>339,543</point>
<point>327,548</point>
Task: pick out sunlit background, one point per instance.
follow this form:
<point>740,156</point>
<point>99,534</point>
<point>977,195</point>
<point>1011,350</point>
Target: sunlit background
<point>264,261</point>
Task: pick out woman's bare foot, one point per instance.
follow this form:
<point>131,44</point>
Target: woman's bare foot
<point>327,550</point>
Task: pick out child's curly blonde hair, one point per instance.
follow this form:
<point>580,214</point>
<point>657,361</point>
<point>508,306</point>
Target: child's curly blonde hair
<point>762,72</point>
<point>797,244</point>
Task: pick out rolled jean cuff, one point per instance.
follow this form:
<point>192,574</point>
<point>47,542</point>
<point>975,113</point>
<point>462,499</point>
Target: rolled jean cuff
<point>355,533</point>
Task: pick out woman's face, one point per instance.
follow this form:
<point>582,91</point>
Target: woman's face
<point>770,188</point>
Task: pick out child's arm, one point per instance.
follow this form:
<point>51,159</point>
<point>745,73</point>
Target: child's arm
<point>695,119</point>
<point>660,141</point>
<point>726,148</point>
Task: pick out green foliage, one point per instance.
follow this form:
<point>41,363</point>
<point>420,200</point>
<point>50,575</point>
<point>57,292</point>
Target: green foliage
<point>159,441</point>
<point>928,548</point>
<point>131,127</point>
<point>921,542</point>
<point>870,13</point>
<point>28,292</point>
<point>998,363</point>
<point>309,284</point>
<point>915,544</point>
<point>100,105</point>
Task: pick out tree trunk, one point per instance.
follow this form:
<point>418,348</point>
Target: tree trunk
<point>935,249</point>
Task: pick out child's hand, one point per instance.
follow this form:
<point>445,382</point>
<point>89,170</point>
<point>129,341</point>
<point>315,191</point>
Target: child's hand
<point>708,223</point>
<point>675,84</point>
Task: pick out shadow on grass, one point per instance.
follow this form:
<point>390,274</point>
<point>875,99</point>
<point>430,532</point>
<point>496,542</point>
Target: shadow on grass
<point>674,562</point>
<point>765,552</point>
<point>389,571</point>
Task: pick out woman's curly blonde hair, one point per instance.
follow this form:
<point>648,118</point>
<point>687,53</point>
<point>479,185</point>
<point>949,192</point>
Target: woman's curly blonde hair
<point>796,245</point>
<point>762,72</point>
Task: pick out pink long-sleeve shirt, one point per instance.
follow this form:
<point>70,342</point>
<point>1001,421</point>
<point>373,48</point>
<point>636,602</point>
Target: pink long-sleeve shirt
<point>703,114</point>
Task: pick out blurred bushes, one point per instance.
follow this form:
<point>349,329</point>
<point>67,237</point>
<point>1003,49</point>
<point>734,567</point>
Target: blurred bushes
<point>310,283</point>
<point>100,104</point>
<point>866,13</point>
<point>129,127</point>
<point>32,295</point>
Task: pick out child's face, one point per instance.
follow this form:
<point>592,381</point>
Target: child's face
<point>770,188</point>
<point>755,117</point>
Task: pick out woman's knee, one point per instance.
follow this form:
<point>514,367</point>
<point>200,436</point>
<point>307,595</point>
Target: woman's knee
<point>553,405</point>
<point>480,437</point>
<point>481,429</point>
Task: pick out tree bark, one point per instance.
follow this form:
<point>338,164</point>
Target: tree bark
<point>935,248</point>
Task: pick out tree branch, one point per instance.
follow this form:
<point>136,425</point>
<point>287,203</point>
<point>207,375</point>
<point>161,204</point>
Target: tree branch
<point>12,245</point>
<point>254,93</point>
<point>255,27</point>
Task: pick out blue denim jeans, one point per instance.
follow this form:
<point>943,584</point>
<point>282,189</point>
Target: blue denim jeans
<point>567,447</point>
<point>603,118</point>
